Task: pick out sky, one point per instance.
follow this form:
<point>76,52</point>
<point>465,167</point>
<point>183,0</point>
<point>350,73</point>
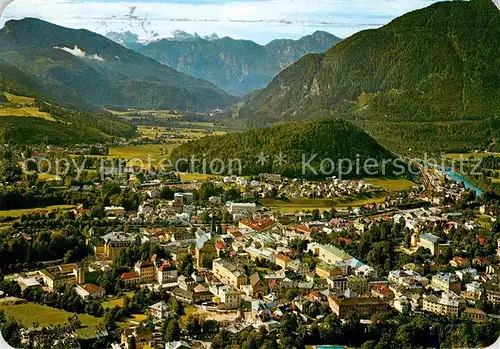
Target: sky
<point>257,20</point>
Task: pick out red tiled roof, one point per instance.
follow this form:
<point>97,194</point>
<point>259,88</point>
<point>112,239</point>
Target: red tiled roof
<point>167,265</point>
<point>382,289</point>
<point>345,240</point>
<point>257,224</point>
<point>303,229</point>
<point>91,288</point>
<point>200,288</point>
<point>283,258</point>
<point>235,233</point>
<point>221,245</point>
<point>130,275</point>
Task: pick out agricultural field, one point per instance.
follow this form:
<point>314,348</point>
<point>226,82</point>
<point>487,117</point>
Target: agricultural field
<point>19,99</point>
<point>20,212</point>
<point>25,112</point>
<point>155,151</point>
<point>131,114</point>
<point>466,156</point>
<point>296,205</point>
<point>29,313</point>
<point>390,184</point>
<point>188,177</point>
<point>28,110</point>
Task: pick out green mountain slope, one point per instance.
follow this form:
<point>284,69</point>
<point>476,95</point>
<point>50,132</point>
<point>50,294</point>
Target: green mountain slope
<point>78,67</point>
<point>434,67</point>
<point>237,66</point>
<point>43,123</point>
<point>288,149</point>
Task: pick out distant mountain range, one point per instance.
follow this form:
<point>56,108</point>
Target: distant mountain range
<point>132,41</point>
<point>81,68</point>
<point>237,66</point>
<point>429,81</point>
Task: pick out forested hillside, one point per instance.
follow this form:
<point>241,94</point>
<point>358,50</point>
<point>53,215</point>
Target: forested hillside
<point>283,148</point>
<point>438,67</point>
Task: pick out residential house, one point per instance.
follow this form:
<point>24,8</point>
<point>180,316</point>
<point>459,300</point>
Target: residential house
<point>229,273</point>
<point>186,283</point>
<point>89,291</point>
<point>159,311</point>
<point>444,305</point>
<point>362,306</point>
<point>130,278</point>
<point>177,345</point>
<point>282,260</point>
<point>137,338</point>
<point>166,273</point>
<point>146,270</point>
<point>258,288</point>
<point>473,314</point>
<point>446,282</point>
<point>338,282</point>
<point>325,271</point>
<point>331,254</point>
<point>459,262</point>
<point>26,283</point>
<point>230,299</point>
<point>115,243</point>
<point>53,278</point>
<point>431,242</point>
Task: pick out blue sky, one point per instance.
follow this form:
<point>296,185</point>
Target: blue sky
<point>258,20</point>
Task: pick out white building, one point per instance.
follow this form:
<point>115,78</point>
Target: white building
<point>159,311</point>
<point>89,291</point>
<point>237,208</point>
<point>230,298</point>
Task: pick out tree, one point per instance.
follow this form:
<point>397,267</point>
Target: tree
<point>173,331</point>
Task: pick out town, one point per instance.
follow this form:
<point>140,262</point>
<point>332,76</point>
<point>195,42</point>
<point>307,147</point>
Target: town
<point>250,174</point>
<point>168,263</point>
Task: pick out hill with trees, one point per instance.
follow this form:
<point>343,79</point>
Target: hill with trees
<point>283,149</point>
<point>80,68</point>
<point>424,78</point>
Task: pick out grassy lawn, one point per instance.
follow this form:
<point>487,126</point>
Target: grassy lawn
<point>390,184</point>
<point>188,310</point>
<point>294,205</point>
<point>111,303</point>
<point>47,176</point>
<point>495,180</point>
<point>20,212</point>
<point>138,317</point>
<point>44,315</point>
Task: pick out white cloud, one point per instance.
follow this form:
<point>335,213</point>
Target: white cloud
<point>259,20</point>
<point>3,5</point>
<point>78,52</point>
<point>97,57</point>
